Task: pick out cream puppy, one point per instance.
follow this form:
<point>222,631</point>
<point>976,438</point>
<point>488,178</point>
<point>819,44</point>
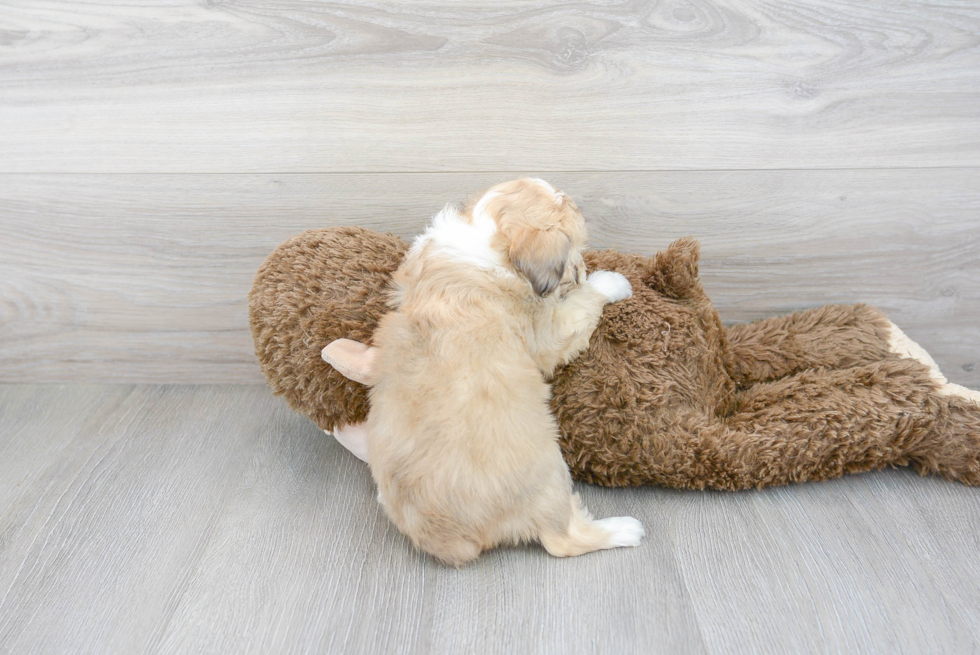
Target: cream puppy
<point>461,440</point>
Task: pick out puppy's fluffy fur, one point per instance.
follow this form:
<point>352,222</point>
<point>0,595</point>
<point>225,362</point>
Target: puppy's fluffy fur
<point>461,440</point>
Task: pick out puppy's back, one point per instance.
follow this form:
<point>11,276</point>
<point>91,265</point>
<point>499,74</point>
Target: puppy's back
<point>462,439</point>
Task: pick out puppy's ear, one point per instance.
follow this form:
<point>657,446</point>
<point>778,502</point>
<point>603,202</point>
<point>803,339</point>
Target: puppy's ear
<point>541,255</point>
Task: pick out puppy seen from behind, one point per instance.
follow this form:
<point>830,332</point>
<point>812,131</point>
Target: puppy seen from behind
<point>461,440</point>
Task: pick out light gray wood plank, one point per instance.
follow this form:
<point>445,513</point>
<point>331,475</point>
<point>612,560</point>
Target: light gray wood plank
<point>144,278</point>
<point>119,517</point>
<point>269,539</point>
<point>211,519</point>
<point>41,430</point>
<point>287,85</point>
<point>303,560</point>
<point>938,525</point>
<point>22,454</point>
<point>823,567</point>
<point>622,601</point>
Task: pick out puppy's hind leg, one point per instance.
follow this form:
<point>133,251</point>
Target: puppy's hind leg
<point>584,534</point>
<point>455,552</point>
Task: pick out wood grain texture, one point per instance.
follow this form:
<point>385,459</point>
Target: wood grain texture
<point>118,518</point>
<point>293,86</point>
<point>826,565</point>
<point>144,278</point>
<point>211,519</point>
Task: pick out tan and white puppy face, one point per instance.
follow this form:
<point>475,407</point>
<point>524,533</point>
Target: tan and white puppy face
<point>539,232</point>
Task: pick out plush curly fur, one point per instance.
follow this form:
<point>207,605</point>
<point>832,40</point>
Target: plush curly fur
<point>316,287</point>
<point>665,394</point>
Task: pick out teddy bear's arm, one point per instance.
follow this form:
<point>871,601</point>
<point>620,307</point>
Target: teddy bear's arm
<point>829,337</point>
<point>353,438</point>
<point>352,359</point>
<point>355,361</point>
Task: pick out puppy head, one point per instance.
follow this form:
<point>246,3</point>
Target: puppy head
<point>540,231</point>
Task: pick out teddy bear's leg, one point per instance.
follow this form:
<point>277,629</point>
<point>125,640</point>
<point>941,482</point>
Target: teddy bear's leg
<point>952,449</point>
<point>952,452</point>
<point>832,336</point>
<point>821,424</point>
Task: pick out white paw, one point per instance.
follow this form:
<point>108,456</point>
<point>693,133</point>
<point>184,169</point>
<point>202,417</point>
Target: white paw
<point>612,285</point>
<point>623,531</point>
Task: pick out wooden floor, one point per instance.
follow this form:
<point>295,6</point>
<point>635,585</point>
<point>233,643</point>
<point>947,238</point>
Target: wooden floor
<point>212,519</point>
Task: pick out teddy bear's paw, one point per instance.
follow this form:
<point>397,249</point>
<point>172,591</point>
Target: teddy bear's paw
<point>900,344</point>
<point>623,531</point>
<point>950,389</point>
<point>612,285</point>
<point>353,438</point>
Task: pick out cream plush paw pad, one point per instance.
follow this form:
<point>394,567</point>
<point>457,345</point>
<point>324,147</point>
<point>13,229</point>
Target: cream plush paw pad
<point>614,286</point>
<point>900,344</point>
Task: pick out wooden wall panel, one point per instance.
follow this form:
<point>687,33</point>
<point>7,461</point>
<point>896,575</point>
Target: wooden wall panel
<point>144,277</point>
<point>296,86</point>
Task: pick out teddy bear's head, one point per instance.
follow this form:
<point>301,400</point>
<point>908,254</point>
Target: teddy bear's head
<point>315,287</point>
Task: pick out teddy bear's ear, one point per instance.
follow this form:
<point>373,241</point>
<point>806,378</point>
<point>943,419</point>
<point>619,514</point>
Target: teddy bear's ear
<point>352,359</point>
<point>674,271</point>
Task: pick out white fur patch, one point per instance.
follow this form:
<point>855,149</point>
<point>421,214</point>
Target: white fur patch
<point>612,285</point>
<point>557,194</point>
<point>900,344</point>
<point>480,211</point>
<point>467,242</point>
<point>623,531</point>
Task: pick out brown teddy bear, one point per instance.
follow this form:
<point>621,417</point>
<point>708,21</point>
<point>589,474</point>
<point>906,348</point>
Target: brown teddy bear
<point>665,394</point>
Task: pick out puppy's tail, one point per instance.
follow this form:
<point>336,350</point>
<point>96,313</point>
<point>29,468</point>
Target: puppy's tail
<point>584,535</point>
